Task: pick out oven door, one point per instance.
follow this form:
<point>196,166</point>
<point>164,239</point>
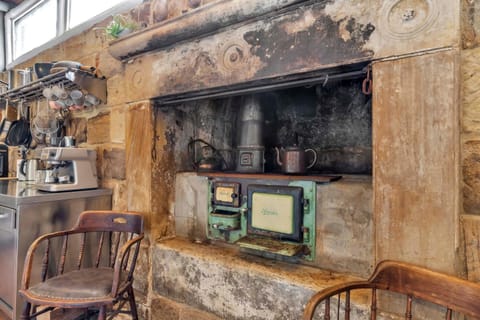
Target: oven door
<point>226,193</point>
<point>275,212</point>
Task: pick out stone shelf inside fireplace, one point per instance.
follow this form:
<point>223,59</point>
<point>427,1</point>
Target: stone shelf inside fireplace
<point>319,178</point>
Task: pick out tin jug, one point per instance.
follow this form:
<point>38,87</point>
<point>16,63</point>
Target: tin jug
<point>292,159</point>
<point>27,169</point>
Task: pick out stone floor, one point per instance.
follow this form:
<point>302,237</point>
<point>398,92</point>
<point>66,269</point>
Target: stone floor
<point>3,316</point>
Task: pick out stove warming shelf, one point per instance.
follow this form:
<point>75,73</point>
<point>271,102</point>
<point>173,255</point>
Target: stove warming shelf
<point>272,176</point>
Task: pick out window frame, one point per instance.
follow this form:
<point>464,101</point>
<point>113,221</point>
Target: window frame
<point>62,34</point>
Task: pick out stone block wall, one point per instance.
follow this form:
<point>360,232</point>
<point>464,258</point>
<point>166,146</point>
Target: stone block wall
<point>133,155</point>
<point>124,135</point>
<point>135,145</point>
<point>470,136</point>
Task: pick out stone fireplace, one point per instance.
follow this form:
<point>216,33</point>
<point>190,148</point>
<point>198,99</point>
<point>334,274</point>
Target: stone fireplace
<point>381,214</point>
<point>384,207</point>
<point>410,172</point>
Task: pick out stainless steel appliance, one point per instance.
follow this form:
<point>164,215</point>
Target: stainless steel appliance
<point>269,217</point>
<point>8,264</point>
<point>25,214</point>
<point>74,169</point>
<point>250,150</point>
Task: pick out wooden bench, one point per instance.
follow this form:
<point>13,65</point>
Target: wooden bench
<point>452,294</point>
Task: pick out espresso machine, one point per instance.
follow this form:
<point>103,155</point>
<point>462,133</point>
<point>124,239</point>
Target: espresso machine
<point>68,169</point>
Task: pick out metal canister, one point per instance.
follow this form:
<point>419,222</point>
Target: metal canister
<point>250,150</point>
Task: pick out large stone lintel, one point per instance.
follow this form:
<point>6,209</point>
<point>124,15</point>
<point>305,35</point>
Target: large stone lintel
<point>293,43</point>
<point>204,20</point>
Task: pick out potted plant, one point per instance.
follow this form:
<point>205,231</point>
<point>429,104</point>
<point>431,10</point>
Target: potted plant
<point>119,26</point>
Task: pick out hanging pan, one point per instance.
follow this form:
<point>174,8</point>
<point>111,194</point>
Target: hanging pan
<point>19,133</point>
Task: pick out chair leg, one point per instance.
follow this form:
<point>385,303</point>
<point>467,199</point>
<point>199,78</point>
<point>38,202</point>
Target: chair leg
<point>26,311</point>
<point>102,312</point>
<point>131,300</point>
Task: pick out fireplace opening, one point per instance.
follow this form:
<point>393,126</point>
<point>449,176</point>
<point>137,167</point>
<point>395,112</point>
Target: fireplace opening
<point>333,118</point>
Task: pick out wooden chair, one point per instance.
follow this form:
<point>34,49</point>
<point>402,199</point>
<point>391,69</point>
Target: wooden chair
<point>92,268</point>
<point>415,283</point>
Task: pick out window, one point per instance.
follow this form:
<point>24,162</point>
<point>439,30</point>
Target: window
<point>35,25</point>
<point>26,33</point>
<point>82,10</point>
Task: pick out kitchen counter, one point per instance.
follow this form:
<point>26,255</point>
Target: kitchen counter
<point>14,193</point>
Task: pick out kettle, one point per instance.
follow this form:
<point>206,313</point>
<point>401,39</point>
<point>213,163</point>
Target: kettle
<point>292,159</point>
<point>209,160</point>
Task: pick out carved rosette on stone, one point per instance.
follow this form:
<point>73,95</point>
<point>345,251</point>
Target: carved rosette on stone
<point>407,19</point>
<point>233,57</point>
<point>409,26</point>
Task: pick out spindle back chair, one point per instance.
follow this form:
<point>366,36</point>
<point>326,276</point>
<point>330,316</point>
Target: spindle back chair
<point>452,294</point>
<point>88,267</point>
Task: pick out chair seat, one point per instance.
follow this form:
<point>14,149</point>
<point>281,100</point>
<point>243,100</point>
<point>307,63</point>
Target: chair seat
<point>84,284</point>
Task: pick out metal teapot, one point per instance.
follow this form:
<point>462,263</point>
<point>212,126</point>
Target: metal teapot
<point>292,159</point>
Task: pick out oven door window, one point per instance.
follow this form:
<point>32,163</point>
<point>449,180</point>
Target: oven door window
<point>275,211</point>
<point>272,212</point>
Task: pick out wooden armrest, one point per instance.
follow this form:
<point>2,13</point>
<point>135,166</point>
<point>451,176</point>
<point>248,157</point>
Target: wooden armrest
<point>446,291</point>
<point>320,296</point>
<point>27,267</point>
<point>117,271</point>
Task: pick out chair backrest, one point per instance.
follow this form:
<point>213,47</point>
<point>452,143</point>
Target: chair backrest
<point>110,221</point>
<point>96,241</point>
<point>110,230</point>
<point>454,293</point>
<point>417,283</point>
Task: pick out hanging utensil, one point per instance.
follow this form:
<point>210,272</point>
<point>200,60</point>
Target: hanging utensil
<point>19,132</point>
<point>45,120</point>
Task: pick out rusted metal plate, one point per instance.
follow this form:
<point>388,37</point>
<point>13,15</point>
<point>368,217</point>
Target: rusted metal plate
<point>416,159</point>
<point>272,246</point>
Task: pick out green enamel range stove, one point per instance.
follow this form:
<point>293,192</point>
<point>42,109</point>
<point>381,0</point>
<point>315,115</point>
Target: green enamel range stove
<point>269,217</point>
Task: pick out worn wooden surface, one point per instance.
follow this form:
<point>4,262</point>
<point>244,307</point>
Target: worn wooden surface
<point>416,159</point>
<point>138,161</point>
